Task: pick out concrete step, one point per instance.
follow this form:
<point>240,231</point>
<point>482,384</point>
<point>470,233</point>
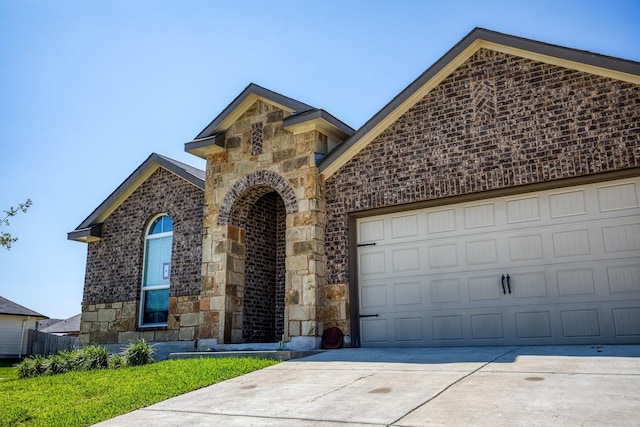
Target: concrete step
<point>259,354</point>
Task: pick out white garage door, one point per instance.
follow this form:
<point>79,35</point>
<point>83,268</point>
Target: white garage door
<point>551,267</point>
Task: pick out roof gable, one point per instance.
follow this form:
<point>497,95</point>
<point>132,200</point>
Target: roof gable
<point>10,307</point>
<point>301,118</point>
<point>477,39</point>
<point>90,228</point>
<point>212,136</point>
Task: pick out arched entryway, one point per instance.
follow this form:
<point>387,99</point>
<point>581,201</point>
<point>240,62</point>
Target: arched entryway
<point>255,212</point>
<point>263,302</point>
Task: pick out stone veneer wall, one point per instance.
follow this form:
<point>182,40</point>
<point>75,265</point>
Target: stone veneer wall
<point>113,279</point>
<point>260,156</point>
<point>498,121</point>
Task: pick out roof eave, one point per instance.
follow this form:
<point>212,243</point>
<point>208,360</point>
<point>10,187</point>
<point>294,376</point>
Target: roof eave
<point>320,120</point>
<point>86,235</point>
<point>124,190</point>
<point>204,146</point>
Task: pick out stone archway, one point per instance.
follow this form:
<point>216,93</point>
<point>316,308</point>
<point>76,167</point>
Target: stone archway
<point>254,211</point>
<point>264,277</point>
<point>260,182</point>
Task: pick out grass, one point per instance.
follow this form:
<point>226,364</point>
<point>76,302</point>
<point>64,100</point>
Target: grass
<point>87,397</point>
<point>7,371</point>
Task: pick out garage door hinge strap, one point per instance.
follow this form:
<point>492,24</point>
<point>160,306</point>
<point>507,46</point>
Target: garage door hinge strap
<point>369,315</point>
<point>366,244</point>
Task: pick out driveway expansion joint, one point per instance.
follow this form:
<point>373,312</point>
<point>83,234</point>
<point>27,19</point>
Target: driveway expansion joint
<point>459,380</point>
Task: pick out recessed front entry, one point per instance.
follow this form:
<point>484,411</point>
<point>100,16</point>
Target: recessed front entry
<point>263,308</point>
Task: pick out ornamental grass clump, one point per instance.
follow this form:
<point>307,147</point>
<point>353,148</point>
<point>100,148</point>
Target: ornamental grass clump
<point>93,357</point>
<point>116,361</point>
<point>138,353</point>
<point>89,358</point>
<point>31,367</point>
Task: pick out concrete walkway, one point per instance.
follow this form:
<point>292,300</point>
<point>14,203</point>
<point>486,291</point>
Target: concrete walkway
<point>486,386</point>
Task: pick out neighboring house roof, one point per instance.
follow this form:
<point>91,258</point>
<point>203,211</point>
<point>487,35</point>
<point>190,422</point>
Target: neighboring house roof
<point>66,326</point>
<point>91,228</point>
<point>477,39</point>
<point>10,307</point>
<point>303,118</point>
<point>45,323</point>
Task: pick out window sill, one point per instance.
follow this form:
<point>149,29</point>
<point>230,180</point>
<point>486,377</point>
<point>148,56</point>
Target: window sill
<point>153,327</point>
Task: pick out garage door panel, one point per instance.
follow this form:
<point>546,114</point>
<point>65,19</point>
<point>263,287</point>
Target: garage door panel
<point>574,282</point>
<point>481,252</point>
<point>526,248</point>
<point>373,297</point>
<point>446,328</point>
<point>484,288</point>
<point>580,323</point>
<point>374,331</point>
<point>371,231</point>
<point>571,243</point>
<point>528,285</point>
<point>533,324</point>
<point>627,321</point>
<point>406,259</point>
<point>441,221</point>
<point>624,278</point>
<point>479,216</point>
<point>567,203</point>
<point>487,326</point>
<point>572,257</point>
<point>407,329</point>
<point>407,293</point>
<point>624,237</point>
<point>404,226</point>
<point>442,256</point>
<point>444,291</point>
<point>523,210</point>
<point>618,197</point>
<point>372,263</point>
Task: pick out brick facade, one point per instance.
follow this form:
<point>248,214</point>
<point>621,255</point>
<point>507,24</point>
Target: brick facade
<point>498,121</point>
<point>264,252</point>
<point>114,263</point>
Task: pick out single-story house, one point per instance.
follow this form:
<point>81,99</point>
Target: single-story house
<point>15,321</point>
<point>493,201</point>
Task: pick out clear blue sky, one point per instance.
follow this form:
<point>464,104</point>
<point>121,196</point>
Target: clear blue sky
<point>88,89</point>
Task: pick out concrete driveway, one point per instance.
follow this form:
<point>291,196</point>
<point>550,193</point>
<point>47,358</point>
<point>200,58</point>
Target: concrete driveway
<point>485,386</point>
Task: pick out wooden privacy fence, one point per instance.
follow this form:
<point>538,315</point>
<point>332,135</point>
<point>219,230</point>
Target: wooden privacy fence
<point>43,344</point>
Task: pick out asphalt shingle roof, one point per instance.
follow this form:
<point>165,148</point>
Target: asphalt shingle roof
<point>10,307</point>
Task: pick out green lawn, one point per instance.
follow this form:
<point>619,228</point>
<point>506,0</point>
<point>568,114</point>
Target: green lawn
<point>7,372</point>
<point>84,398</point>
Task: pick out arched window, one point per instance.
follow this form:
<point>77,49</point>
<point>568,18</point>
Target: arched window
<point>154,302</point>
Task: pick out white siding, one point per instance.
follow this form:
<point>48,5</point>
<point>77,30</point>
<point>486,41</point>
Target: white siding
<point>10,330</point>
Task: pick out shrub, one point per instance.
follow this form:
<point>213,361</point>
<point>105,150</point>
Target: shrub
<point>116,361</point>
<point>138,353</point>
<point>93,357</point>
<point>55,364</point>
<point>30,367</point>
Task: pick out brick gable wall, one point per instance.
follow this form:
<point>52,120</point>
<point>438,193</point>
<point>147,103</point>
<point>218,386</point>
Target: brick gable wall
<point>114,264</point>
<point>113,276</point>
<point>498,121</point>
